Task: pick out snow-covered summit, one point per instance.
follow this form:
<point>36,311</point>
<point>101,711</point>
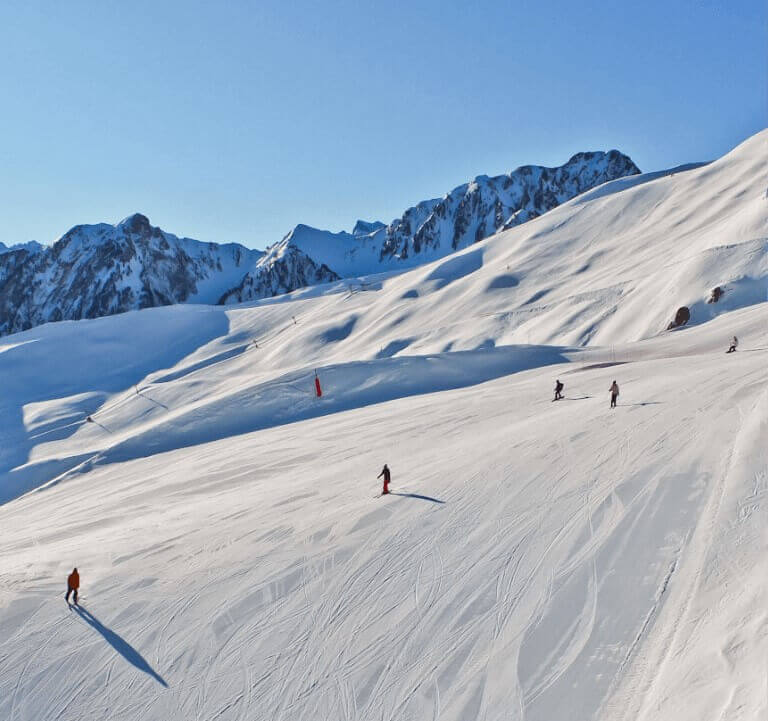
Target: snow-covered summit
<point>363,227</point>
<point>475,210</point>
<point>31,246</point>
<point>136,223</point>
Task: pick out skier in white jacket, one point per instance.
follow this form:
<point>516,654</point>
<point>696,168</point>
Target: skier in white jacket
<point>614,389</point>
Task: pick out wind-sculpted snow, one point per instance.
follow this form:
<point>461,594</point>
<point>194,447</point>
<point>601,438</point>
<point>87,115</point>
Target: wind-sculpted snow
<point>536,560</point>
<point>550,560</point>
<point>99,365</point>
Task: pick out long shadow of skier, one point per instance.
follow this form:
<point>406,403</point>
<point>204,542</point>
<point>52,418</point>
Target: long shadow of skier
<point>416,495</point>
<point>128,652</point>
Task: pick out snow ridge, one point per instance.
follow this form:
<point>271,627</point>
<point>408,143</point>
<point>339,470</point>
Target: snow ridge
<point>31,246</point>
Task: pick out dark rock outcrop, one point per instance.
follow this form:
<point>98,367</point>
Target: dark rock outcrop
<point>277,275</point>
<point>682,316</point>
<point>716,294</point>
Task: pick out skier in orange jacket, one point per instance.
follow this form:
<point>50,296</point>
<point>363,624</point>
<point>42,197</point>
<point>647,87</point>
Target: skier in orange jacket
<point>73,583</point>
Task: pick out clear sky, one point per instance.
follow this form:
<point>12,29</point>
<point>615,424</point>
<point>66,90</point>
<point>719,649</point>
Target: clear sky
<point>235,120</point>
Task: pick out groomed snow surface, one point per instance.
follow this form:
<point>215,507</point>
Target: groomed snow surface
<point>537,560</point>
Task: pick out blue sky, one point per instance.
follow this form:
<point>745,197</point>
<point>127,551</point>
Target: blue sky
<point>234,120</point>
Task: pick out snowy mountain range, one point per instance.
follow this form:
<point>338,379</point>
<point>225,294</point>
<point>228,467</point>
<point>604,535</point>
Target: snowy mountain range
<point>97,270</point>
<point>434,228</point>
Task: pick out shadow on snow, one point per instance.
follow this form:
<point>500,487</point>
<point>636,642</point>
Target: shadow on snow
<point>416,495</point>
<point>128,652</point>
<point>89,375</point>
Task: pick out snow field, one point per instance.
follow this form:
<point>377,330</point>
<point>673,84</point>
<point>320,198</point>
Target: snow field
<point>537,561</point>
<point>574,550</point>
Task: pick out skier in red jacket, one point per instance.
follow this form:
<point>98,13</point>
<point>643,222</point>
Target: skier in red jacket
<point>73,583</point>
<point>387,476</point>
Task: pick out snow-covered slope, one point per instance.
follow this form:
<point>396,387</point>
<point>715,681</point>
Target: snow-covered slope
<point>543,561</point>
<point>612,265</point>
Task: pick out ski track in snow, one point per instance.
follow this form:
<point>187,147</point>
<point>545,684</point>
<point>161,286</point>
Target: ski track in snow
<point>486,606</point>
<point>544,561</point>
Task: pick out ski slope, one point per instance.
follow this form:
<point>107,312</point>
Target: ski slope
<point>536,560</point>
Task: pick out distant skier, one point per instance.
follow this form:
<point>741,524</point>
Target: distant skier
<point>73,583</point>
<point>733,346</point>
<point>558,390</point>
<point>614,389</point>
<point>385,472</point>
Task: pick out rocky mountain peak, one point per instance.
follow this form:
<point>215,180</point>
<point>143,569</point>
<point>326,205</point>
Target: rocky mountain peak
<point>364,227</point>
<point>136,224</point>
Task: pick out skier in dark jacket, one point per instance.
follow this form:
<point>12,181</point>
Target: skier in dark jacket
<point>73,583</point>
<point>386,474</point>
<point>558,390</point>
<point>614,389</point>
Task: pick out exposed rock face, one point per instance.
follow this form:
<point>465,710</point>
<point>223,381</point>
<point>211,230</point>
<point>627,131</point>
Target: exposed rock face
<point>32,246</point>
<point>682,316</point>
<point>716,294</point>
<point>96,270</point>
<point>363,227</point>
<point>485,206</point>
<point>279,274</point>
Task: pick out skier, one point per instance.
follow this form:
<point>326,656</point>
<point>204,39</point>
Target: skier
<point>386,474</point>
<point>558,390</point>
<point>73,583</point>
<point>733,346</point>
<point>614,389</point>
